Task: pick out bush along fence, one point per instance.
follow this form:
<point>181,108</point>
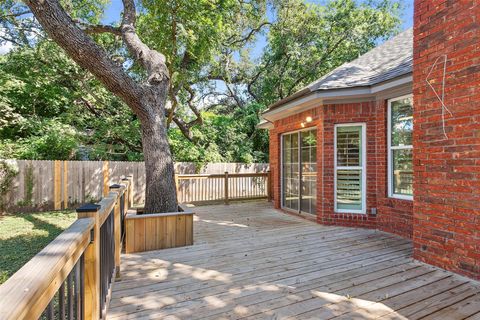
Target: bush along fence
<point>71,278</point>
<point>53,185</point>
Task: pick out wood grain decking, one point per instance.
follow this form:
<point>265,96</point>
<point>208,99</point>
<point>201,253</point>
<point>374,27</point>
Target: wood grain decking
<point>251,261</point>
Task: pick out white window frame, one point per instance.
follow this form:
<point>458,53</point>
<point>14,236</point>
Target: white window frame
<point>363,167</point>
<point>390,149</point>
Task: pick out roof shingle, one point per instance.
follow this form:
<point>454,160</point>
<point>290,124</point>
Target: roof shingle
<point>385,62</point>
<point>392,59</point>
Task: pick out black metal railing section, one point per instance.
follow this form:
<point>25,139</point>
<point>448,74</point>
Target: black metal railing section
<point>107,259</point>
<point>122,217</point>
<point>68,302</point>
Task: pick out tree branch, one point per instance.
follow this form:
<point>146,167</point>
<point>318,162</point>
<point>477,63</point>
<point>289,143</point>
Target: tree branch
<point>183,128</point>
<point>249,35</point>
<point>90,107</point>
<point>198,115</point>
<point>100,28</point>
<point>83,50</point>
<point>317,63</point>
<point>14,14</point>
<point>255,78</point>
<point>152,60</point>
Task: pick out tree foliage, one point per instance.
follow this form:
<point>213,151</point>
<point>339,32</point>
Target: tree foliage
<point>308,40</point>
<point>52,109</point>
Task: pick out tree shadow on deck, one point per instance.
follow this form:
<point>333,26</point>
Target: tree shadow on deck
<point>255,262</point>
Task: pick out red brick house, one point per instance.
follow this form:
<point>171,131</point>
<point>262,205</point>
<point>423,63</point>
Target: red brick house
<point>372,145</point>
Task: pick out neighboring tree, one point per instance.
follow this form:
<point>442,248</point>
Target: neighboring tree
<point>45,94</point>
<point>198,38</point>
<point>306,41</point>
<point>224,138</point>
<point>146,97</point>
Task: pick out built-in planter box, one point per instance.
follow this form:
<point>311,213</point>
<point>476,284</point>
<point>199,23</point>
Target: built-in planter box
<point>145,232</point>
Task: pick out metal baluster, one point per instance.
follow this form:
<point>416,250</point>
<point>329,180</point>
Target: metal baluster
<point>78,293</point>
<point>102,264</point>
<point>61,301</point>
<point>50,311</point>
<point>70,295</point>
<point>122,217</point>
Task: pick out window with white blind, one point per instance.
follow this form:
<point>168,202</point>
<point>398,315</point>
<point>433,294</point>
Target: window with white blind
<point>350,184</point>
<point>400,149</point>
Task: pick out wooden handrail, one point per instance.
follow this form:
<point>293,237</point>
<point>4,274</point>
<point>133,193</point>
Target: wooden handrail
<point>220,175</point>
<point>28,292</point>
<point>106,206</point>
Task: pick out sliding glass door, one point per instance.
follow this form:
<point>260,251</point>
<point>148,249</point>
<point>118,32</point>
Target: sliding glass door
<point>299,171</point>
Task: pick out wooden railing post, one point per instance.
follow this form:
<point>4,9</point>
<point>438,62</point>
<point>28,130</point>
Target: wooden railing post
<point>269,185</point>
<point>57,185</point>
<point>177,187</point>
<point>130,191</point>
<point>117,228</point>
<point>126,195</point>
<point>92,264</point>
<point>106,177</point>
<point>65,185</point>
<point>226,187</point>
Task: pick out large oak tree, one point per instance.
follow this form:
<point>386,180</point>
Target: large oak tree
<point>146,98</point>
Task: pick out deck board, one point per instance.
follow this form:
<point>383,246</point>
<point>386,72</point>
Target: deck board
<point>250,261</point>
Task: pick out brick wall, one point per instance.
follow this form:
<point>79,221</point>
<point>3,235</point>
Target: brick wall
<point>347,113</point>
<point>393,215</point>
<point>447,170</point>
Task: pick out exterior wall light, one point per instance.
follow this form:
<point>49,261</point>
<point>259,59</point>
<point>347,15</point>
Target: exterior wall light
<point>308,119</point>
<point>302,124</point>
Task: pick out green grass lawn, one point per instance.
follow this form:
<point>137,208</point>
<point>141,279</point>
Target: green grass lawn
<point>23,235</point>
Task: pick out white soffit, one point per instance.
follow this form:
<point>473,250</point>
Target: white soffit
<point>317,98</point>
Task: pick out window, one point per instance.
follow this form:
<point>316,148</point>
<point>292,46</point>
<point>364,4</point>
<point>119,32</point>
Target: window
<point>400,149</point>
<point>350,184</point>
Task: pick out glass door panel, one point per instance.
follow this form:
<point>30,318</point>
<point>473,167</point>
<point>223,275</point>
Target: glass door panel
<point>291,172</point>
<point>308,162</point>
<point>299,171</point>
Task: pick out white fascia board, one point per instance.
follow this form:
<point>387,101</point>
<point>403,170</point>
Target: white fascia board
<point>391,84</point>
<point>265,125</point>
<point>316,98</point>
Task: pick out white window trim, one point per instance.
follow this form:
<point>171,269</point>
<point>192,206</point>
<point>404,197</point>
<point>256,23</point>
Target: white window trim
<point>391,194</point>
<point>363,167</point>
<point>281,169</point>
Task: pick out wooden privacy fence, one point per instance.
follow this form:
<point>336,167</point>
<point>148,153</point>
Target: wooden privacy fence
<point>47,185</point>
<point>204,188</point>
<point>71,277</point>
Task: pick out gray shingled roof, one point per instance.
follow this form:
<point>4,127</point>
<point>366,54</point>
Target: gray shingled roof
<point>390,60</point>
<point>387,61</point>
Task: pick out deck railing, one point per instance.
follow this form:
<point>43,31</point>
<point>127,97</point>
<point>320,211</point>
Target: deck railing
<point>204,188</point>
<point>71,277</point>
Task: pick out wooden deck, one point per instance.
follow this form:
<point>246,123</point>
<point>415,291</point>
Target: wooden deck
<point>251,261</point>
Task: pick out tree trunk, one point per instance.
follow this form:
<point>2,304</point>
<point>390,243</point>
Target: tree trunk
<point>160,191</point>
